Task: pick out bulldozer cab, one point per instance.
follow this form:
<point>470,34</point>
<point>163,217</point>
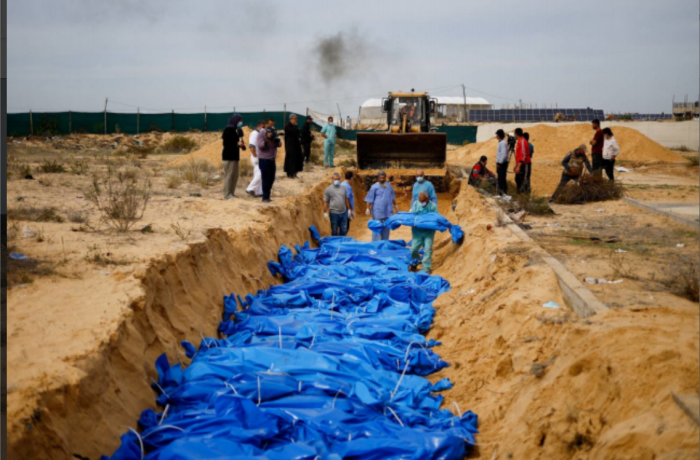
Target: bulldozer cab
<point>408,142</point>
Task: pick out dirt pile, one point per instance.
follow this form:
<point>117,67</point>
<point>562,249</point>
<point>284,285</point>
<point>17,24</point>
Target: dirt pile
<point>149,142</point>
<point>545,383</point>
<point>210,153</point>
<point>553,142</point>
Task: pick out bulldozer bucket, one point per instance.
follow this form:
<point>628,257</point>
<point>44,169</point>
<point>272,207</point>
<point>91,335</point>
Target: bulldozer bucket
<point>410,150</point>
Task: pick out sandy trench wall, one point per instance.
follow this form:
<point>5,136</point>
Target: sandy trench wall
<point>182,298</point>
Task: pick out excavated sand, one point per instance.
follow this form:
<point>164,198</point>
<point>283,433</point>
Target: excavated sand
<point>554,142</point>
<point>210,153</point>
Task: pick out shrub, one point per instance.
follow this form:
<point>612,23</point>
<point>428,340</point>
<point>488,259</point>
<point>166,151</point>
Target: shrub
<point>534,205</point>
<point>684,278</point>
<point>47,214</point>
<point>121,201</point>
<point>53,166</point>
<point>155,128</point>
<point>197,172</point>
<point>77,217</point>
<point>79,166</point>
<point>173,180</point>
<point>589,188</point>
<point>179,144</point>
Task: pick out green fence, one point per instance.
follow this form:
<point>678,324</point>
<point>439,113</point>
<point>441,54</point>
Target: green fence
<point>455,134</point>
<point>53,123</point>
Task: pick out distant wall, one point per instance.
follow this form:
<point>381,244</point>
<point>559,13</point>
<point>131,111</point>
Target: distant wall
<point>42,123</point>
<point>668,134</point>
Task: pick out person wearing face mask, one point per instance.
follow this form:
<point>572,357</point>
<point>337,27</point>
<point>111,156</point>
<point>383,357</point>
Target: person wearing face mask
<point>328,133</point>
<point>423,238</point>
<point>381,204</point>
<point>231,154</point>
<point>423,185</point>
<point>351,196</point>
<point>335,207</point>
<point>268,143</point>
<point>293,157</point>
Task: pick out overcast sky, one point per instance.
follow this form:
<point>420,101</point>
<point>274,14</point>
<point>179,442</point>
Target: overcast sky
<point>616,55</point>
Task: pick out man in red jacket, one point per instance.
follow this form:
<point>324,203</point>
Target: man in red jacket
<point>522,161</point>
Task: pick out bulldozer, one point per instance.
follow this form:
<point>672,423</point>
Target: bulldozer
<point>408,142</point>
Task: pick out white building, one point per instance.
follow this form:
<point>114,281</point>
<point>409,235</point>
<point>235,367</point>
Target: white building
<point>449,108</point>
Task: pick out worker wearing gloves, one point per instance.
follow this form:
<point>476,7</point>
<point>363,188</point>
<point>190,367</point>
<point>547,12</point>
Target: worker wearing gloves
<point>423,238</point>
<point>573,164</point>
<point>328,133</point>
<point>423,185</point>
<point>381,204</point>
<point>335,207</point>
<point>351,196</point>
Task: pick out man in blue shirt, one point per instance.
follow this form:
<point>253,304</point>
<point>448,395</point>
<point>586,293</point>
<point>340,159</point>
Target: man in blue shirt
<point>381,201</point>
<point>423,238</point>
<point>422,185</point>
<point>328,133</point>
<point>351,196</point>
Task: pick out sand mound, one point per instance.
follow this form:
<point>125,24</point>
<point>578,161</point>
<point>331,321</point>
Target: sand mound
<point>210,152</point>
<point>553,142</point>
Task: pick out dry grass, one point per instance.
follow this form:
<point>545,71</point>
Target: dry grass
<point>120,200</point>
<point>26,271</point>
<point>97,257</point>
<point>32,214</point>
<point>51,167</point>
<point>684,278</point>
<point>589,188</point>
<point>79,166</point>
<point>197,172</point>
<point>173,180</point>
<point>534,205</point>
<point>180,232</point>
<point>77,217</point>
<point>178,144</point>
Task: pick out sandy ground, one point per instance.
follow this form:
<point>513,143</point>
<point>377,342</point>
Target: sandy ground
<point>544,383</point>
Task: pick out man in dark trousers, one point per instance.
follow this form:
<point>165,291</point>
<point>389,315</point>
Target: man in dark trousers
<point>502,162</point>
<point>293,158</point>
<point>573,164</point>
<point>307,137</point>
<point>532,152</point>
<point>522,161</point>
<point>268,143</point>
<point>597,143</point>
